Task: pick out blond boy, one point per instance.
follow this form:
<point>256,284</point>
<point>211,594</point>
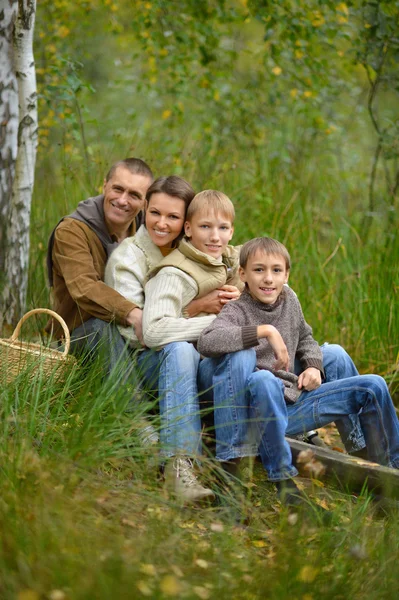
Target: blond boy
<point>203,262</point>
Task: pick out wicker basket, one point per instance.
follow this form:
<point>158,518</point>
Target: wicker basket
<point>16,355</point>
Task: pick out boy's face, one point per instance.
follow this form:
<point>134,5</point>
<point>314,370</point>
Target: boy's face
<point>209,232</point>
<point>265,275</point>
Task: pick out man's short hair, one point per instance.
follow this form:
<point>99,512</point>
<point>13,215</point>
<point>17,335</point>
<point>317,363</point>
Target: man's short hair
<point>211,201</point>
<point>173,186</point>
<point>135,165</point>
<point>266,245</point>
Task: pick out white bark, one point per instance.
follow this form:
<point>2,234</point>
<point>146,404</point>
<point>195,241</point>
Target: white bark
<point>17,252</point>
<point>8,115</point>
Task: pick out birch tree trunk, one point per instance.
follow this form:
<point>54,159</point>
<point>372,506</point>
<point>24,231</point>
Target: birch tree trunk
<point>8,116</point>
<point>17,250</point>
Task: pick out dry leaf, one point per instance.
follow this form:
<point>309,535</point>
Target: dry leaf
<point>28,595</point>
<point>148,569</point>
<point>170,585</point>
<point>203,564</point>
<point>144,588</point>
<point>217,527</point>
<point>201,592</point>
<point>307,574</point>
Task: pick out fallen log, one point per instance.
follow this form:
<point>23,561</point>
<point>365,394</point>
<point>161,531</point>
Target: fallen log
<point>350,473</point>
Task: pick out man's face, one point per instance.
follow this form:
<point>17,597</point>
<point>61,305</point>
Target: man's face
<point>124,196</point>
<point>265,275</point>
<point>209,232</point>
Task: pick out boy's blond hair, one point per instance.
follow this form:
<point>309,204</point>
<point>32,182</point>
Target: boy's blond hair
<point>267,245</point>
<point>211,201</point>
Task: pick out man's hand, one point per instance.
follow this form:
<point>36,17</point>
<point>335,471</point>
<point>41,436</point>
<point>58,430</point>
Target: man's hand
<point>214,301</point>
<point>135,318</point>
<point>277,343</point>
<point>309,379</point>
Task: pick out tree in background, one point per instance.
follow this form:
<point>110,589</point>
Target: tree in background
<point>18,65</point>
<point>8,118</point>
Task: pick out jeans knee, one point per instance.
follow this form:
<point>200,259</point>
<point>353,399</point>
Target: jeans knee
<point>334,351</point>
<point>376,383</point>
<point>265,380</point>
<point>244,360</point>
<point>183,352</point>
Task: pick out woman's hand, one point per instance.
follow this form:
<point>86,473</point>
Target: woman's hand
<point>135,318</point>
<point>309,379</point>
<point>277,343</point>
<point>214,301</point>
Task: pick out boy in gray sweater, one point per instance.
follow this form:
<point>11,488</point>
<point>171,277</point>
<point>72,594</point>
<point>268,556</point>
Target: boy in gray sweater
<point>262,333</point>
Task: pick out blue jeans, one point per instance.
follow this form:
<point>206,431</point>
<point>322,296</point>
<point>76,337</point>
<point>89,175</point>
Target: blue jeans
<point>172,371</point>
<point>338,365</point>
<point>96,337</point>
<point>250,409</point>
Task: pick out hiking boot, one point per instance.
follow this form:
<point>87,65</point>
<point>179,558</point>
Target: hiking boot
<point>181,479</point>
<point>147,433</point>
<point>291,497</point>
<point>289,494</point>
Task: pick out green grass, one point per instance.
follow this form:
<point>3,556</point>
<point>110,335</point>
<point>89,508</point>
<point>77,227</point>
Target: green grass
<point>83,512</point>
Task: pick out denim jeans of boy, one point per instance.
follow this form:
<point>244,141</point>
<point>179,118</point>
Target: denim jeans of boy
<point>250,412</point>
<point>172,372</point>
<point>338,365</point>
<point>367,395</point>
<point>225,379</point>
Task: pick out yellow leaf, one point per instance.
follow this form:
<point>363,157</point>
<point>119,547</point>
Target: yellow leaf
<point>148,569</point>
<point>341,7</point>
<point>170,585</point>
<point>259,543</point>
<point>28,595</point>
<point>57,595</point>
<point>201,592</point>
<point>203,564</point>
<point>144,588</point>
<point>307,94</point>
<point>307,574</point>
<point>318,19</point>
<point>277,71</point>
<point>166,114</point>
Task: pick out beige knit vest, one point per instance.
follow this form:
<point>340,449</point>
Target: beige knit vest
<point>208,273</point>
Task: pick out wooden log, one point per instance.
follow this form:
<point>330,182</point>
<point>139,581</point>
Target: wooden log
<point>350,473</point>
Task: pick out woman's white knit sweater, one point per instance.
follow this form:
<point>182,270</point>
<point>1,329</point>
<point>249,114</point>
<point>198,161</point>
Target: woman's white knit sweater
<point>127,269</point>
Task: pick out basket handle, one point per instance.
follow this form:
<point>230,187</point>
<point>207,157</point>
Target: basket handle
<point>17,329</point>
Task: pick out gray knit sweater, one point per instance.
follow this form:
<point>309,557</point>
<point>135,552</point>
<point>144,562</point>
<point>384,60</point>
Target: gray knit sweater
<point>235,328</point>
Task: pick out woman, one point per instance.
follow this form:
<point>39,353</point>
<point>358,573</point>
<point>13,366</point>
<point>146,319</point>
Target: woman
<point>174,367</point>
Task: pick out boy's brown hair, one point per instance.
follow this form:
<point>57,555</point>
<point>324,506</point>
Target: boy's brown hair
<point>211,201</point>
<point>266,245</point>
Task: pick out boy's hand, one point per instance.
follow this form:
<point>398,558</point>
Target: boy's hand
<point>227,293</point>
<point>309,379</point>
<point>277,343</point>
<point>213,302</point>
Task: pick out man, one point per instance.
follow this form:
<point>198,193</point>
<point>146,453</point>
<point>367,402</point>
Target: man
<point>78,251</point>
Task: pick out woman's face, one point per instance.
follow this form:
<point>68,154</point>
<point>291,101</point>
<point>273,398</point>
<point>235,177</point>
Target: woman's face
<point>164,218</point>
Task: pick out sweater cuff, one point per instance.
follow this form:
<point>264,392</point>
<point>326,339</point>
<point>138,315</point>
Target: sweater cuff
<point>249,336</point>
<point>315,363</point>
